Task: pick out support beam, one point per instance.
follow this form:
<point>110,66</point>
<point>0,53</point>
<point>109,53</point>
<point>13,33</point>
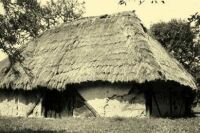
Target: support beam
<point>148,98</point>
<point>94,112</point>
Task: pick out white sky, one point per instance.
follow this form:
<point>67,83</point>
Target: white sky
<point>148,13</point>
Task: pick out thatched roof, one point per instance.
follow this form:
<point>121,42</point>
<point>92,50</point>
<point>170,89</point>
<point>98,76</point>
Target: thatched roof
<point>113,48</point>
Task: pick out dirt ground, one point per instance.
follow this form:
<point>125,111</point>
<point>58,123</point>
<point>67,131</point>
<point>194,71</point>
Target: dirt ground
<point>112,125</point>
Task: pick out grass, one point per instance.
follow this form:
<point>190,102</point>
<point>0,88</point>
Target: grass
<point>111,125</point>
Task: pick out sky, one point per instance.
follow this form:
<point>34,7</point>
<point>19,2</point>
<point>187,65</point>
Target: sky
<point>147,12</point>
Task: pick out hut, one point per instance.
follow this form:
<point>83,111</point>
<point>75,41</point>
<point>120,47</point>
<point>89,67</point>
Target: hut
<point>103,66</point>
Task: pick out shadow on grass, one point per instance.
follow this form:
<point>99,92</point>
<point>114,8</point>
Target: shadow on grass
<point>31,131</point>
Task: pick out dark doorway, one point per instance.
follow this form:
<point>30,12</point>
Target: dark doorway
<point>58,104</point>
<point>168,99</point>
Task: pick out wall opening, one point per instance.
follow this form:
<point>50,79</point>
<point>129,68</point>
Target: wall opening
<point>168,99</point>
<point>67,103</point>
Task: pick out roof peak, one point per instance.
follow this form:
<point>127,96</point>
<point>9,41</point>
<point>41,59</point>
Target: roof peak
<point>131,14</point>
<point>123,13</point>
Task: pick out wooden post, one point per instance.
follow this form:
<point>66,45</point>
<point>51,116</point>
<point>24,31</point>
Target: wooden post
<point>148,100</point>
<point>93,111</point>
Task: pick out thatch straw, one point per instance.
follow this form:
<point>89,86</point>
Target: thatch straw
<point>111,48</point>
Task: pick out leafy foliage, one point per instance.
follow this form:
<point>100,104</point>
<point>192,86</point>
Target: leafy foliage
<point>26,19</point>
<point>180,40</point>
<point>121,2</point>
<point>194,21</point>
<point>62,11</point>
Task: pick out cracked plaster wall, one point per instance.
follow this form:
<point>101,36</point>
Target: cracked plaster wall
<point>17,104</point>
<point>110,100</point>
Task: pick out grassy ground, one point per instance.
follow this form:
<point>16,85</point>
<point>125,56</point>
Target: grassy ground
<point>113,125</point>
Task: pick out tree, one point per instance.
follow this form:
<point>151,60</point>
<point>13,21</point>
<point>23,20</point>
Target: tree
<point>123,2</point>
<point>181,41</point>
<point>194,21</point>
<point>62,11</point>
<point>26,19</point>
